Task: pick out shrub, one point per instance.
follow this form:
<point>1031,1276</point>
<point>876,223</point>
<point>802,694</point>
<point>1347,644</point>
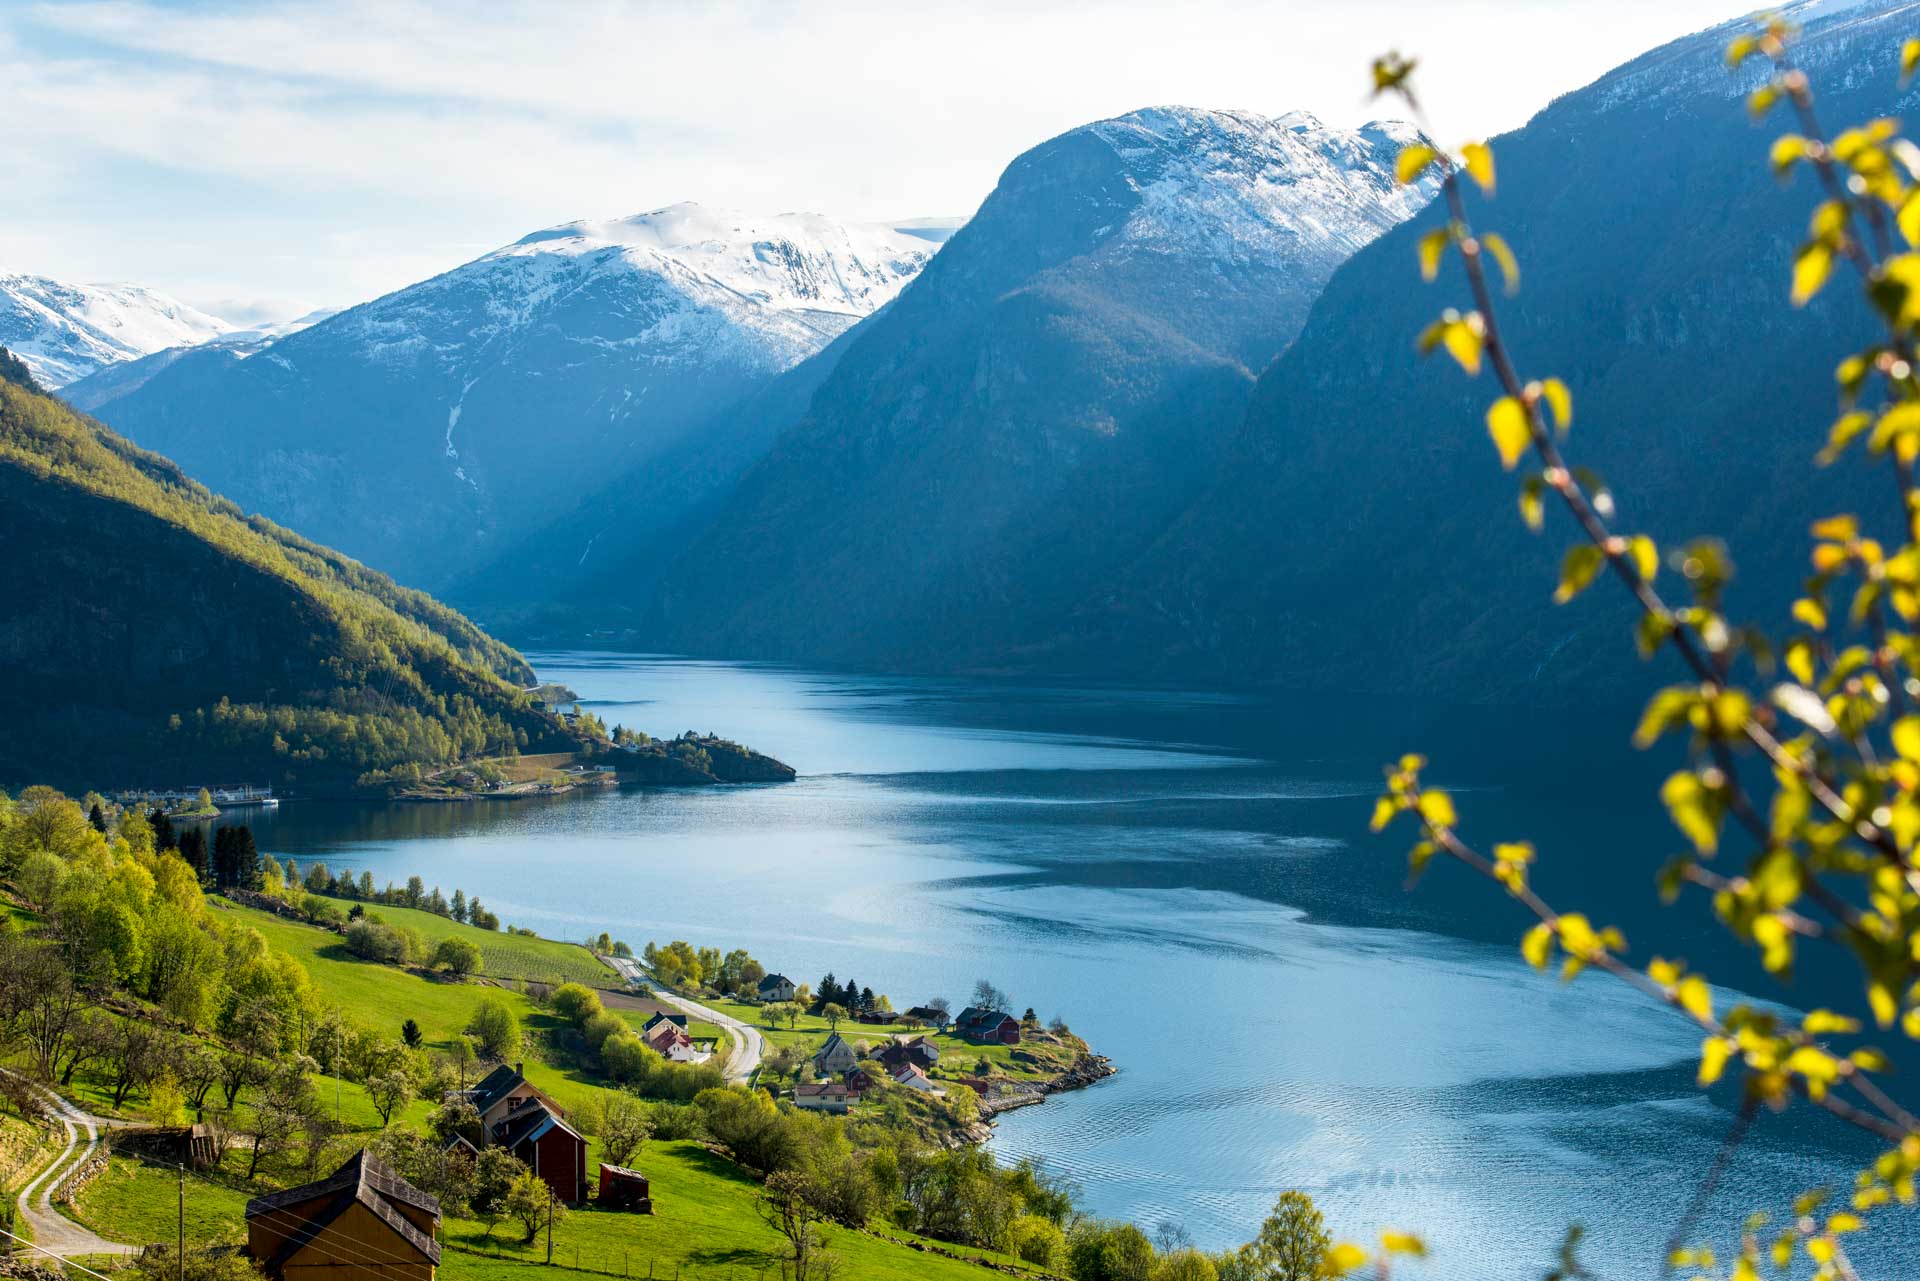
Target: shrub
<point>457,956</point>
<point>496,1029</point>
<point>575,1002</point>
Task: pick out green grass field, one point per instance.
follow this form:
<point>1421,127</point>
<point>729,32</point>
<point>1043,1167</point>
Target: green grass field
<point>705,1226</point>
<point>503,955</point>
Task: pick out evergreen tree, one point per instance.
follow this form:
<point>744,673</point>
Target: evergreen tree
<point>223,858</point>
<point>459,908</point>
<point>293,873</point>
<point>437,902</point>
<point>366,885</point>
<point>193,848</point>
<point>828,993</point>
<point>163,836</point>
<point>99,819</point>
<point>866,999</point>
<point>246,859</point>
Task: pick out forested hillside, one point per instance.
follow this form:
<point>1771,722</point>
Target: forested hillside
<point>154,630</point>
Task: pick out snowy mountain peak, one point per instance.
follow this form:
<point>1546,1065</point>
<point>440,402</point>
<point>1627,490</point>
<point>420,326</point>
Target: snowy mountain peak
<point>790,261</point>
<point>65,332</point>
<point>1240,184</point>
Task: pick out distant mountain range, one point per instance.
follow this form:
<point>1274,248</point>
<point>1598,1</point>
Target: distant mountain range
<point>1055,388</point>
<point>1154,412</point>
<point>427,430</point>
<point>65,332</point>
<point>156,636</point>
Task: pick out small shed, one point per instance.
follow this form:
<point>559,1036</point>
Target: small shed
<point>624,1189</point>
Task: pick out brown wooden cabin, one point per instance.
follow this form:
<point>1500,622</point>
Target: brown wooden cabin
<point>624,1189</point>
<point>363,1220</point>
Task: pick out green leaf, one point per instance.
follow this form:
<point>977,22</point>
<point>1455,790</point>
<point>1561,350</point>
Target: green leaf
<point>1464,342</point>
<point>1811,267</point>
<point>1560,400</point>
<point>1577,571</point>
<point>1695,810</point>
<point>1788,149</point>
<point>1651,632</point>
<point>1532,501</point>
<point>1906,737</point>
<point>1496,245</point>
<point>1666,709</point>
<point>1433,247</point>
<point>1413,161</point>
<point>1507,424</point>
<point>1479,161</point>
<point>1645,556</point>
<point>1537,946</point>
<point>1842,434</point>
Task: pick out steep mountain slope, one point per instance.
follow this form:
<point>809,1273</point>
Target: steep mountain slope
<point>1054,387</point>
<point>110,382</point>
<point>155,635</point>
<point>1363,534</point>
<point>422,432</point>
<point>594,568</point>
<point>66,332</point>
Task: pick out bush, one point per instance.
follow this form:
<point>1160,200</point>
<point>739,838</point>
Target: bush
<point>600,1026</point>
<point>376,941</point>
<point>457,956</point>
<point>496,1030</point>
<point>576,1003</point>
<point>1039,1242</point>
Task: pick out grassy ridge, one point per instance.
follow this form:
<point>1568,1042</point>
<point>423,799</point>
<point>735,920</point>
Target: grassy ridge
<point>502,955</point>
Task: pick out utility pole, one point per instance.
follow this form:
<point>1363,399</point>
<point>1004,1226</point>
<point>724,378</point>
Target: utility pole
<point>550,1199</point>
<point>180,1242</point>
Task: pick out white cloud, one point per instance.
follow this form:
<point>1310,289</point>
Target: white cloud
<point>203,148</point>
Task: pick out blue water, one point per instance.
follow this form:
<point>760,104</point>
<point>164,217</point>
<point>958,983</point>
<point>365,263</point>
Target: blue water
<point>1186,878</point>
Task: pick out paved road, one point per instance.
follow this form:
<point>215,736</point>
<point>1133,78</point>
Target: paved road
<point>53,1231</point>
<point>748,1044</point>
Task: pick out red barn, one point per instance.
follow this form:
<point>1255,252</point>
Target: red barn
<point>549,1147</point>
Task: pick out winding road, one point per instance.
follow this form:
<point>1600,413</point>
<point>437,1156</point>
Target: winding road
<point>748,1045</point>
<point>53,1232</point>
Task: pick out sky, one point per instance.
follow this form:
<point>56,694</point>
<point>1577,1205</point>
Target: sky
<point>265,158</point>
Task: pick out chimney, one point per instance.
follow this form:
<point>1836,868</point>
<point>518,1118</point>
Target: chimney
<point>518,1069</point>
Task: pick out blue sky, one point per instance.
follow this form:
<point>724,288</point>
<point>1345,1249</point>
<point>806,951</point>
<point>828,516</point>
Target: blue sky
<point>265,158</point>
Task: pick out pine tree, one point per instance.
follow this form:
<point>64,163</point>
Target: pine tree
<point>223,861</point>
<point>459,908</point>
<point>193,848</point>
<point>163,836</point>
<point>246,859</point>
<point>98,819</point>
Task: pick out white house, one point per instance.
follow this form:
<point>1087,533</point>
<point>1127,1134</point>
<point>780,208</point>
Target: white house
<point>834,1057</point>
<point>777,987</point>
<point>913,1078</point>
<point>822,1096</point>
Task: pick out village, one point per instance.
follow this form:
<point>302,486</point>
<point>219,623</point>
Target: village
<point>365,1209</point>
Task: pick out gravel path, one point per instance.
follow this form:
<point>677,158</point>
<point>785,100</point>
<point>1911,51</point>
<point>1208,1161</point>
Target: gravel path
<point>748,1045</point>
<point>54,1232</point>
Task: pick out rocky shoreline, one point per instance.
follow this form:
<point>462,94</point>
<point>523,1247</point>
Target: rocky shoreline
<point>1089,1069</point>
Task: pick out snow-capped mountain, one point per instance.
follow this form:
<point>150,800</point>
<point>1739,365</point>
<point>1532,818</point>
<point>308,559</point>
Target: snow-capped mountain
<point>1056,386</point>
<point>1361,537</point>
<point>65,332</point>
<point>419,430</point>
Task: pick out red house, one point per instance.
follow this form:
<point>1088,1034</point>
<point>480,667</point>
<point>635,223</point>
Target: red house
<point>984,1025</point>
<point>549,1147</point>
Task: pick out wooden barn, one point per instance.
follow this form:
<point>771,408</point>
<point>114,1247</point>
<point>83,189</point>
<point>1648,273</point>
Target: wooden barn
<point>549,1147</point>
<point>363,1220</point>
<point>624,1189</point>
